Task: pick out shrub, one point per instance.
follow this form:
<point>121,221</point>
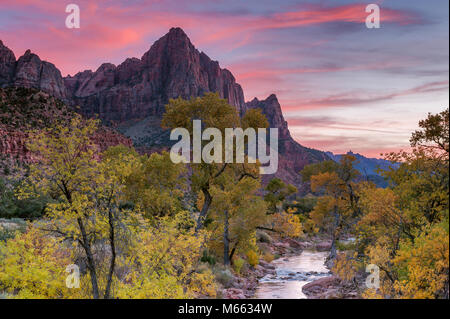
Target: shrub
<point>206,258</point>
<point>224,277</point>
<point>263,237</point>
<point>252,258</point>
<point>238,264</point>
<point>268,257</point>
<point>11,207</point>
<point>33,266</point>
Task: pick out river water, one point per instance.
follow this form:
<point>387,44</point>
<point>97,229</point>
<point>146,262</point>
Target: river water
<point>292,273</point>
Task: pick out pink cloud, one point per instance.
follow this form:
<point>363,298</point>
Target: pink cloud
<point>112,31</point>
<point>360,98</point>
<point>109,27</point>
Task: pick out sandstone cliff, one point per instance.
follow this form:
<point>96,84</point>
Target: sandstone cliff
<point>30,71</point>
<point>138,88</point>
<point>131,96</point>
<point>23,110</point>
<point>292,156</point>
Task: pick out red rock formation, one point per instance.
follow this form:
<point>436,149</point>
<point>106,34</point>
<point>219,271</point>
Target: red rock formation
<point>12,144</point>
<point>30,71</point>
<point>292,156</point>
<point>106,137</point>
<point>22,110</point>
<point>7,65</point>
<point>138,88</point>
<point>133,94</point>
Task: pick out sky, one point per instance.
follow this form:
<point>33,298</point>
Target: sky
<point>341,85</point>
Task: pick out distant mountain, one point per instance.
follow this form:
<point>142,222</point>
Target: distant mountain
<point>368,166</point>
<point>131,96</point>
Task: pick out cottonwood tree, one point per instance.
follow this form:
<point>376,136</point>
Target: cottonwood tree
<point>155,184</point>
<point>404,228</point>
<point>276,193</point>
<point>236,211</point>
<point>338,203</point>
<point>213,112</point>
<point>88,193</point>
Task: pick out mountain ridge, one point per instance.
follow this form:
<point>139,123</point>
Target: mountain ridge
<point>368,166</point>
<point>132,95</point>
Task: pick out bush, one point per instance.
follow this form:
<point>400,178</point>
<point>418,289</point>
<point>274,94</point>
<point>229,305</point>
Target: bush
<point>11,207</point>
<point>263,237</point>
<point>224,277</point>
<point>206,258</point>
<point>238,264</point>
<point>252,258</point>
<point>268,257</point>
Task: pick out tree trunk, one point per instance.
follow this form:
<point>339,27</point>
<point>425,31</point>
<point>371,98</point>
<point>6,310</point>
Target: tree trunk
<point>204,211</point>
<point>233,251</point>
<point>226,241</point>
<point>334,236</point>
<point>113,255</point>
<point>90,259</point>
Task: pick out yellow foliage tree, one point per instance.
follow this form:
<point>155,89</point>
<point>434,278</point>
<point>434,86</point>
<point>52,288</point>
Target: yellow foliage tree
<point>88,193</point>
<point>33,266</point>
<point>163,262</point>
<point>287,224</point>
<point>405,228</point>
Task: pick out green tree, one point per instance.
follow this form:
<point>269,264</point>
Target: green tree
<point>276,193</point>
<point>156,184</point>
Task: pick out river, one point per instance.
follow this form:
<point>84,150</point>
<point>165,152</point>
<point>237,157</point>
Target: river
<point>292,273</point>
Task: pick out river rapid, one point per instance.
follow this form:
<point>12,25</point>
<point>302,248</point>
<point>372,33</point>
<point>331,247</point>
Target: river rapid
<point>292,273</point>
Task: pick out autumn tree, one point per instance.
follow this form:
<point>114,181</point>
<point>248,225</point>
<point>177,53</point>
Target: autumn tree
<point>404,228</point>
<point>236,211</point>
<point>163,261</point>
<point>88,193</point>
<point>213,112</point>
<point>155,184</point>
<point>338,201</point>
<point>276,193</point>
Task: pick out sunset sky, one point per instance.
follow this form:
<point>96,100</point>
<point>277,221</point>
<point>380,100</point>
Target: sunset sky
<point>341,86</point>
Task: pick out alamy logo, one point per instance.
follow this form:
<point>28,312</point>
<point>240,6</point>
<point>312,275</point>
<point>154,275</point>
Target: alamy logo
<point>212,152</point>
<point>73,279</point>
<point>373,19</point>
<point>73,19</point>
<point>373,279</point>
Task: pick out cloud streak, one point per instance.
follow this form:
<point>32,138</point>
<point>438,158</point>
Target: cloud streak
<point>319,58</point>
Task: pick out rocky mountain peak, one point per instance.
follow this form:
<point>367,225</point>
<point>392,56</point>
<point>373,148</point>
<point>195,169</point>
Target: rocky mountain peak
<point>7,65</point>
<point>133,94</point>
<point>136,89</point>
<point>272,109</point>
<point>31,72</point>
<point>174,44</point>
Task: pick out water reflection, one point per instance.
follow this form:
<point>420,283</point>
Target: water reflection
<point>292,274</point>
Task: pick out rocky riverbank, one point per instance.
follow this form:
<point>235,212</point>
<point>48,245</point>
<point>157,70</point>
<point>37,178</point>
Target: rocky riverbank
<point>245,286</point>
<point>331,288</point>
